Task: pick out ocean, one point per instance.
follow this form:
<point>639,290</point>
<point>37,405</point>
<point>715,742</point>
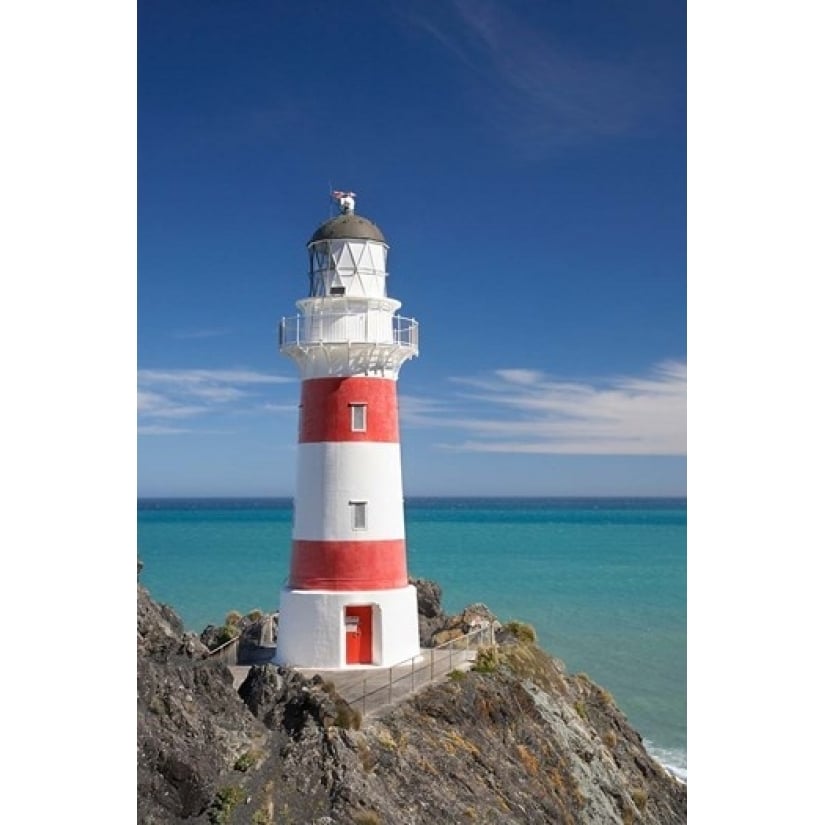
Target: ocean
<point>603,581</point>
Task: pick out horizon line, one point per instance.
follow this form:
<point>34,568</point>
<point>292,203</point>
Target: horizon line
<point>416,496</point>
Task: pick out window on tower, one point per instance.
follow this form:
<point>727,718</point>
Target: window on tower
<point>359,515</point>
<point>358,417</point>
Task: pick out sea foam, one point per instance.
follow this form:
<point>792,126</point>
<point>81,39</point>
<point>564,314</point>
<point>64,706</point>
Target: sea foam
<point>673,760</point>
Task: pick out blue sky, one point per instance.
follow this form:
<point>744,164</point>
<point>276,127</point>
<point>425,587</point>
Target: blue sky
<point>526,162</point>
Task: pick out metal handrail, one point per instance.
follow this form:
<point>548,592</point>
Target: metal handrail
<point>407,668</point>
<point>226,650</point>
<point>429,664</point>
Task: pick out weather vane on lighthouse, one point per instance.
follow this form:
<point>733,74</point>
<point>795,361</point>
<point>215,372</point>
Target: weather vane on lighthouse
<point>348,601</point>
<point>345,200</point>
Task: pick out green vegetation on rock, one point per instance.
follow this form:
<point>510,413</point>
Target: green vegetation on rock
<point>347,716</point>
<point>232,618</point>
<point>522,631</point>
<point>225,801</point>
<point>487,660</point>
<point>247,760</point>
<point>226,634</point>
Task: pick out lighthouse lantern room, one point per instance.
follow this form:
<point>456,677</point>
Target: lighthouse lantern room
<point>348,601</point>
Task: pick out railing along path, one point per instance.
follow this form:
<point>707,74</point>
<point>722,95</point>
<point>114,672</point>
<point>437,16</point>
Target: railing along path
<point>228,651</point>
<point>362,691</point>
<point>369,690</point>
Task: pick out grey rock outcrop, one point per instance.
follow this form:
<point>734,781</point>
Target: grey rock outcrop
<point>431,616</point>
<point>191,728</point>
<point>436,627</point>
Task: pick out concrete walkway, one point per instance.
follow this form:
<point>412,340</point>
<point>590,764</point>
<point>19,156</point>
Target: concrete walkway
<point>372,690</point>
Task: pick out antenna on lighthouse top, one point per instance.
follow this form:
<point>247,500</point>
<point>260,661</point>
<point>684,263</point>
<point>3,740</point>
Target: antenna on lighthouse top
<point>346,201</point>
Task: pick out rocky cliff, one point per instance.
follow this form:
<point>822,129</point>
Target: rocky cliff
<point>517,740</point>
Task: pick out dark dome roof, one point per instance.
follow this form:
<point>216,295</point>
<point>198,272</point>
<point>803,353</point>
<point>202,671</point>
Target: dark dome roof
<point>348,225</point>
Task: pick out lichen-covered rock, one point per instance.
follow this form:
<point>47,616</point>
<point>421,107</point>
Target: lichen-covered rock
<point>524,744</point>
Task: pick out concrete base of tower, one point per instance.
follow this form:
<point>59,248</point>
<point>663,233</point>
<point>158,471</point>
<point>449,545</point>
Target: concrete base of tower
<point>326,629</point>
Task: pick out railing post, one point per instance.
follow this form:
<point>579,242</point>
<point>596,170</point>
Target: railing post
<point>389,687</point>
<point>364,704</point>
<point>412,674</point>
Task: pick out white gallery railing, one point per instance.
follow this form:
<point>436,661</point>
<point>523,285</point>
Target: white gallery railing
<point>348,328</point>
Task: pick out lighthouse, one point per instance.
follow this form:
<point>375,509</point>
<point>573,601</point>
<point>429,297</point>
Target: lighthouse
<point>348,602</point>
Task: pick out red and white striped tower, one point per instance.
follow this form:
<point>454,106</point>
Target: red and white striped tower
<point>348,601</point>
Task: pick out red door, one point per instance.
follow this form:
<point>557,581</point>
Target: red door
<point>358,623</point>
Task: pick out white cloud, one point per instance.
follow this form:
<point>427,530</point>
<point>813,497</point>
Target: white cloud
<point>160,429</point>
<point>421,411</point>
<point>186,393</point>
<point>292,408</point>
<point>156,405</point>
<point>200,377</point>
<point>519,376</point>
<point>524,411</point>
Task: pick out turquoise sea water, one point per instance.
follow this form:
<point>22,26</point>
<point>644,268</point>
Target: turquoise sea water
<point>603,581</point>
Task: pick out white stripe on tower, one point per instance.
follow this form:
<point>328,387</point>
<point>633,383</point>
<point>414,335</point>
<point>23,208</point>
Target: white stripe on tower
<point>350,473</point>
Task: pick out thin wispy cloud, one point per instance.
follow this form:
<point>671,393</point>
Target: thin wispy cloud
<point>190,394</point>
<point>290,408</point>
<point>421,411</point>
<point>195,334</point>
<point>160,429</point>
<point>526,411</point>
<point>203,377</point>
<point>538,93</point>
<point>157,405</point>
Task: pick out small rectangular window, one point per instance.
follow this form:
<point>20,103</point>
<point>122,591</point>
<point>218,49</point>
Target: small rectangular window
<point>337,290</point>
<point>358,416</point>
<point>359,515</point>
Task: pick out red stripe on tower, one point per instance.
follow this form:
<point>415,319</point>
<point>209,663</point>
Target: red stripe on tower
<point>348,565</point>
<point>348,409</point>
